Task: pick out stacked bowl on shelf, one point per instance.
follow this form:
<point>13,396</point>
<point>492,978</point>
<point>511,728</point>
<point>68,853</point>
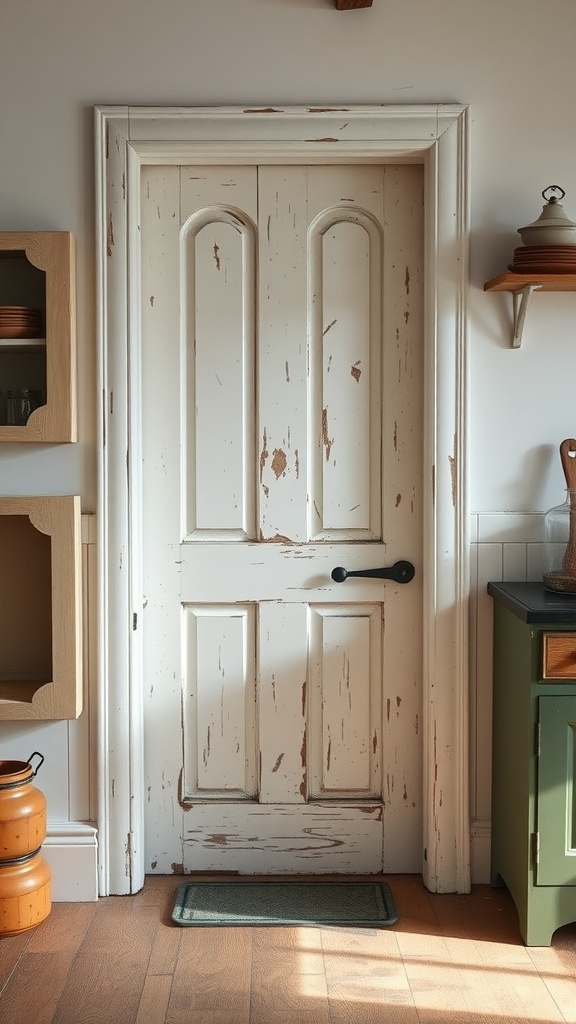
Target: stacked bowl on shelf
<point>544,259</point>
<point>20,322</point>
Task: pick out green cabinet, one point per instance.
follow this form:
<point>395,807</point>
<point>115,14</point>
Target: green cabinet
<point>534,756</point>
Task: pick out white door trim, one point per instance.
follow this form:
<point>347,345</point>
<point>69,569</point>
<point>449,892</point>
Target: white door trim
<point>437,137</point>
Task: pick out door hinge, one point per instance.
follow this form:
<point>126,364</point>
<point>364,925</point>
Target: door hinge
<point>535,849</point>
<point>135,620</point>
<point>538,734</point>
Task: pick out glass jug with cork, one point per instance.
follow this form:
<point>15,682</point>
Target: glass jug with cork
<point>560,530</point>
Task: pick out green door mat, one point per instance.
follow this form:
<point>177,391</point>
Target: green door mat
<point>229,904</point>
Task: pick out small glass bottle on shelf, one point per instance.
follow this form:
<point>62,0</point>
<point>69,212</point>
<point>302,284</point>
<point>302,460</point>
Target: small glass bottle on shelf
<point>560,530</point>
<point>18,407</point>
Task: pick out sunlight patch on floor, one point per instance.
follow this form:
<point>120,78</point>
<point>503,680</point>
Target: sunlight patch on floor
<point>473,977</point>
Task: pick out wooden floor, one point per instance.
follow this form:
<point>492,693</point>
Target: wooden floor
<point>448,960</point>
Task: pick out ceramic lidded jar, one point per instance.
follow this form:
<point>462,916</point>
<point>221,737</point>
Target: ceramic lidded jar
<point>553,226</point>
<point>22,809</point>
<point>25,894</point>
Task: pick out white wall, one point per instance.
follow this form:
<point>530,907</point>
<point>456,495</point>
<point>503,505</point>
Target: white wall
<point>511,60</point>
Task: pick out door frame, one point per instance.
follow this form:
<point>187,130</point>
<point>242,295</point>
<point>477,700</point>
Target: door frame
<point>435,136</point>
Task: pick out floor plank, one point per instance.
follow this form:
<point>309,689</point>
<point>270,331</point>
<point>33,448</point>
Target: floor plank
<point>556,966</point>
<point>120,933</point>
<point>154,1000</point>
<point>35,988</point>
<point>288,976</point>
<point>212,974</point>
<point>62,930</point>
<point>367,981</point>
<point>12,948</point>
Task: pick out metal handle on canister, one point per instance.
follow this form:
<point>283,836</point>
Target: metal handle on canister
<point>37,769</point>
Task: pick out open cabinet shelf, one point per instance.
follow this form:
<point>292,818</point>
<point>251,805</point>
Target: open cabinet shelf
<point>38,269</point>
<point>40,625</point>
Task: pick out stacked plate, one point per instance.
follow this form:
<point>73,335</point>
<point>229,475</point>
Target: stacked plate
<point>20,322</point>
<point>544,259</point>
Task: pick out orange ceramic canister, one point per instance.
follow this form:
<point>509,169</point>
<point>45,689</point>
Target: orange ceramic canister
<point>25,894</point>
<point>22,809</point>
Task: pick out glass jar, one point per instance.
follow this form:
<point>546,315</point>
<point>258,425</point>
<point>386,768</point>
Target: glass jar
<point>560,546</point>
<point>18,407</point>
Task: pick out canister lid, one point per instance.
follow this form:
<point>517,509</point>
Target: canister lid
<point>553,213</point>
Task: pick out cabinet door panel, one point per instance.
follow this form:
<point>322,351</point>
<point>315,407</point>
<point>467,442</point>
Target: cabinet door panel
<point>556,796</point>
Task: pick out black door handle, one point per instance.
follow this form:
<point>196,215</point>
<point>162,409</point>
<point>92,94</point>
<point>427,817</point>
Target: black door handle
<point>400,572</point>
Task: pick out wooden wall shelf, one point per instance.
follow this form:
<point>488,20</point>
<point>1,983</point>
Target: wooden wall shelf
<point>38,269</point>
<point>521,287</point>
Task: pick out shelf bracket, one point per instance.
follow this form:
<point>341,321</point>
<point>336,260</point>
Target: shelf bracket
<point>520,299</point>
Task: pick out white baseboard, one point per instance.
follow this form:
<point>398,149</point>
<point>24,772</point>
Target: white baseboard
<point>480,836</point>
<point>71,851</point>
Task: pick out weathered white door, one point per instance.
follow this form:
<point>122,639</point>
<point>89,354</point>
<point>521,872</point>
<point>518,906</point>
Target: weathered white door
<point>282,396</point>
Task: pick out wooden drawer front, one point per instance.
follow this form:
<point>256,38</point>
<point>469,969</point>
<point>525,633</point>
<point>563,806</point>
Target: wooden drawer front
<point>559,656</point>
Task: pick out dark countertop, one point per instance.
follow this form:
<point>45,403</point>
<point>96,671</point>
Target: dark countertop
<point>531,602</point>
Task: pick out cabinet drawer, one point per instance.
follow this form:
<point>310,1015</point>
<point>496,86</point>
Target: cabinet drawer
<point>559,656</point>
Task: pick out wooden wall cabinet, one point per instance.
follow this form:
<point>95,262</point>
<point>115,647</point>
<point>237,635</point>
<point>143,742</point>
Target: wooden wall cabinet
<point>534,755</point>
<point>38,269</point>
<point>41,622</point>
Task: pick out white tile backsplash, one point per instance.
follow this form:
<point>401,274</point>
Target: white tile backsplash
<point>509,527</point>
